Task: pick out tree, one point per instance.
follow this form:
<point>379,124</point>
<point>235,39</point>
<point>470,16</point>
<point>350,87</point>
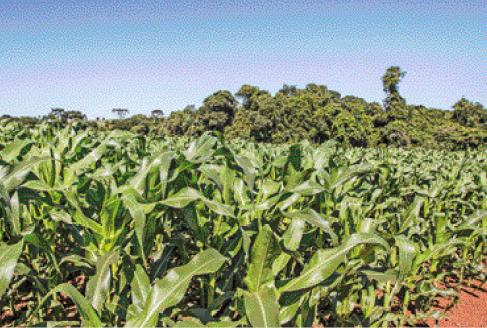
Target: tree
<point>469,114</point>
<point>157,113</point>
<point>218,110</point>
<point>250,95</point>
<point>288,90</point>
<point>189,109</point>
<point>390,80</point>
<point>221,101</point>
<point>75,115</point>
<point>57,112</point>
<point>139,118</point>
<point>121,112</point>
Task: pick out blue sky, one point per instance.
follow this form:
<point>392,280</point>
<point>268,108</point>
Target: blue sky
<point>97,55</point>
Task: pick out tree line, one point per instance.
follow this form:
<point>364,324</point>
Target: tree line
<point>314,113</point>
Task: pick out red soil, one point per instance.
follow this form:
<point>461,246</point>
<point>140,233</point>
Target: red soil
<point>471,309</point>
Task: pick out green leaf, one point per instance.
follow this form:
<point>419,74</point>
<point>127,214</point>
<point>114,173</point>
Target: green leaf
<point>288,201</point>
<point>345,175</point>
<point>220,300</point>
<point>381,277</point>
<point>170,290</point>
<point>20,171</point>
<point>13,149</point>
<point>4,194</point>
<point>293,235</point>
<point>240,193</point>
<point>39,186</point>
<point>9,256</point>
<point>249,170</point>
<point>438,250</point>
<point>140,287</point>
<point>222,324</point>
<point>99,151</point>
<point>160,162</point>
<point>88,314</point>
<point>160,261</point>
<point>136,211</point>
<point>219,208</point>
<point>188,195</point>
<point>60,215</point>
<point>325,262</point>
<point>15,213</point>
<point>470,223</point>
<point>307,188</point>
<point>78,261</point>
<point>315,220</point>
<point>261,307</point>
<point>228,178</point>
<point>189,323</point>
<point>79,217</point>
<point>269,188</point>
<point>212,172</point>
<point>411,214</point>
<point>98,287</point>
<point>264,251</point>
<point>407,253</point>
<point>202,314</point>
<point>183,198</point>
<point>288,312</point>
<point>201,147</point>
<point>38,241</point>
<point>280,262</point>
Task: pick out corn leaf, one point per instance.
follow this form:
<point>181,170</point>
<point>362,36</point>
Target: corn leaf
<point>9,256</point>
<point>170,290</point>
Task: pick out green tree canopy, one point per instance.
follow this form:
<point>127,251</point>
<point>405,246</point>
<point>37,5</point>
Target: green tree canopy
<point>390,81</point>
<point>121,112</point>
<point>157,113</point>
<point>469,114</point>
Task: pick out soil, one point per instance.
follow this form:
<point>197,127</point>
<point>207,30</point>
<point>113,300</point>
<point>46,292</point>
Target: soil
<point>8,319</point>
<point>471,309</point>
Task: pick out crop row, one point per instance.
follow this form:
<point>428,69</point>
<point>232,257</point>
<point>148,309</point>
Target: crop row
<point>139,231</point>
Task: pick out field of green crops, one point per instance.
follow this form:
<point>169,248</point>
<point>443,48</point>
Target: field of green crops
<point>116,229</point>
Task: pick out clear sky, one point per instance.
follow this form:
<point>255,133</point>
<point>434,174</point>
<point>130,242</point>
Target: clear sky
<point>97,55</point>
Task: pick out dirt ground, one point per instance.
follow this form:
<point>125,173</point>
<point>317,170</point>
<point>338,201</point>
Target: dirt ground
<point>470,311</point>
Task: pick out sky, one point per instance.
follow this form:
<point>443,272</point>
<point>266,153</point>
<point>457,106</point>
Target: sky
<point>97,55</point>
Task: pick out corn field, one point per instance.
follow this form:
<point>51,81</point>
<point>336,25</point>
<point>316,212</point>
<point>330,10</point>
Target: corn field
<point>118,229</point>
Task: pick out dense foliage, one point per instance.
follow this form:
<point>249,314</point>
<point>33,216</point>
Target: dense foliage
<point>315,113</point>
<point>318,114</point>
<point>139,231</point>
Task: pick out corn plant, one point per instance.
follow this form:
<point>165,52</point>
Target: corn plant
<point>182,232</point>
